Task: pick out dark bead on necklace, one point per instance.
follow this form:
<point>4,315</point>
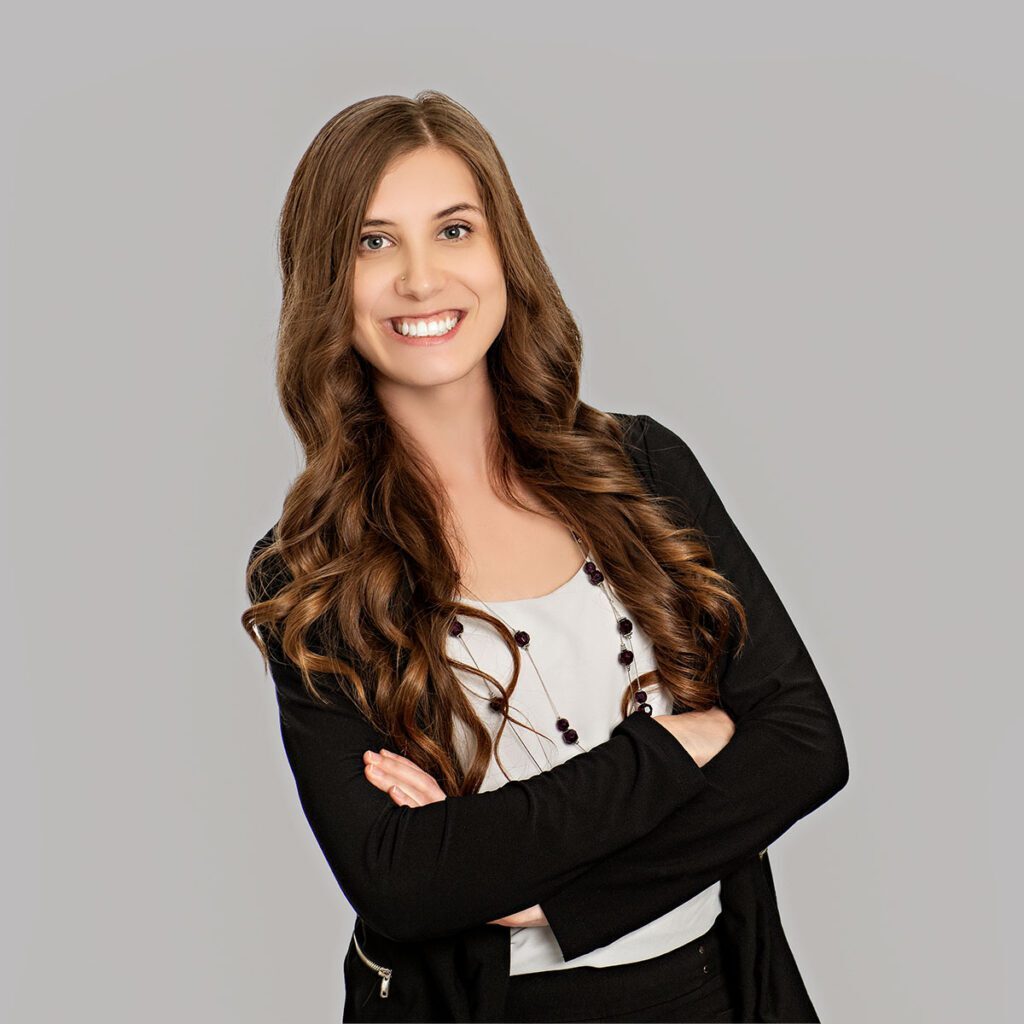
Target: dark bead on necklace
<point>625,626</point>
<point>522,638</point>
<point>456,628</point>
<point>562,724</point>
<point>496,704</point>
<point>596,576</point>
<point>641,696</point>
<point>589,567</point>
<point>570,736</point>
<point>647,709</point>
<point>625,657</point>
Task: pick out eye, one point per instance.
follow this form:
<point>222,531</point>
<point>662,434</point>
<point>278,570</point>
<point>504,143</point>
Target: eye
<point>375,248</point>
<point>448,227</point>
<point>455,227</point>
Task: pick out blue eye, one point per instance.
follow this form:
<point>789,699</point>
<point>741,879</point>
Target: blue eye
<point>447,227</point>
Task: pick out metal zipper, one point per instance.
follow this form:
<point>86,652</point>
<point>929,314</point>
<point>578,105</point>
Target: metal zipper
<point>384,972</point>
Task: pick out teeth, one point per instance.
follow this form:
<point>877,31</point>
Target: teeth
<point>425,328</point>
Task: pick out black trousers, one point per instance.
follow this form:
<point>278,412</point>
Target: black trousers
<point>685,984</point>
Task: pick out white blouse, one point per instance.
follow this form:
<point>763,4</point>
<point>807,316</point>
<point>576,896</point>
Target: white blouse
<point>574,641</point>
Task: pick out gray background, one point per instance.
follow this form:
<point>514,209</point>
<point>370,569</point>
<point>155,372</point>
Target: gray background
<point>789,231</point>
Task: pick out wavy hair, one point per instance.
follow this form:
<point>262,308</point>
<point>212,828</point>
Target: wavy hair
<point>358,585</point>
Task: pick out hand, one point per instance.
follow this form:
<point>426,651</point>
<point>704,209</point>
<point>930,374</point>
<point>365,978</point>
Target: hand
<point>405,782</point>
<point>408,785</point>
<point>532,918</point>
<point>702,733</point>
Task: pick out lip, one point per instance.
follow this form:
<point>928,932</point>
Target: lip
<point>426,316</point>
<point>426,339</point>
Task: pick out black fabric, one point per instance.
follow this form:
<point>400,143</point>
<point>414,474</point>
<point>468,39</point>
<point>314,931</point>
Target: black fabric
<point>685,984</point>
<point>423,879</point>
<point>786,758</point>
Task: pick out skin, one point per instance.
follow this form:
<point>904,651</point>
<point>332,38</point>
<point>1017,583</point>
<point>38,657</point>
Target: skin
<point>441,395</point>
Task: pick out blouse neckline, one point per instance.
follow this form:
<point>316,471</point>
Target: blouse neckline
<point>560,589</point>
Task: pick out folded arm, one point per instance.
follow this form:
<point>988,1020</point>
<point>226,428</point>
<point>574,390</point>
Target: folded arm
<point>786,758</point>
<point>421,872</point>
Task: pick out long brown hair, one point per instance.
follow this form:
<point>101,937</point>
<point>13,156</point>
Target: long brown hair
<point>358,585</point>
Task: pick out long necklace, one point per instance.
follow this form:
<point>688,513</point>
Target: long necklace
<point>625,656</point>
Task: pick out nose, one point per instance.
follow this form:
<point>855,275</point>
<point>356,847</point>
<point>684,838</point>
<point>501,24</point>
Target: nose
<point>421,273</point>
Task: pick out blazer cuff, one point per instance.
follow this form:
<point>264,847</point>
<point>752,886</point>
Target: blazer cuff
<point>670,766</point>
<point>672,761</point>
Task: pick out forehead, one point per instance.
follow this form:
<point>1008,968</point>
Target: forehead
<point>416,186</point>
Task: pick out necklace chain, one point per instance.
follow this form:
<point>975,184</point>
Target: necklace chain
<point>625,629</point>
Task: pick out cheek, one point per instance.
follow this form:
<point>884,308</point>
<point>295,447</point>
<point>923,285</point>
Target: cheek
<point>489,285</point>
<point>366,299</point>
<point>364,292</point>
<point>499,303</point>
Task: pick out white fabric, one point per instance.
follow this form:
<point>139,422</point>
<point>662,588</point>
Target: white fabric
<point>575,644</point>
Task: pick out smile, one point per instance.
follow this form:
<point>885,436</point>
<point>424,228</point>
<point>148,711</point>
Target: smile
<point>433,331</point>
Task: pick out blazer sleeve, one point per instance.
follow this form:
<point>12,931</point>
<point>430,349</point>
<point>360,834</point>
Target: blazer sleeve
<point>786,758</point>
<point>415,873</point>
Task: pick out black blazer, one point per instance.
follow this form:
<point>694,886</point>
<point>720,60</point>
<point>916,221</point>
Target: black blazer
<point>605,842</point>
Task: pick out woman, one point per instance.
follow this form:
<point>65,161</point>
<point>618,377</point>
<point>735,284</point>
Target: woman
<point>544,710</point>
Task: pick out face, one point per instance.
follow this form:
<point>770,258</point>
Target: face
<point>425,265</point>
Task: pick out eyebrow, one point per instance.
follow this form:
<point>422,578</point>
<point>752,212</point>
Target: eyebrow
<point>437,216</point>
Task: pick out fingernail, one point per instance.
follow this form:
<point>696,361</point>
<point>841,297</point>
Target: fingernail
<point>372,756</point>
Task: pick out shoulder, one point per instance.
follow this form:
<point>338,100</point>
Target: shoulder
<point>264,541</point>
<point>651,435</point>
<point>271,574</point>
<point>667,461</point>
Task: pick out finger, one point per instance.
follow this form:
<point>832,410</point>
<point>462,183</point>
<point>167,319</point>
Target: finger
<point>394,771</point>
<point>397,759</point>
<point>378,778</point>
<point>402,798</point>
<point>411,777</point>
<point>385,780</point>
<point>395,763</point>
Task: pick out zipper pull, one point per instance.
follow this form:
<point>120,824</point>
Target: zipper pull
<point>385,981</point>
